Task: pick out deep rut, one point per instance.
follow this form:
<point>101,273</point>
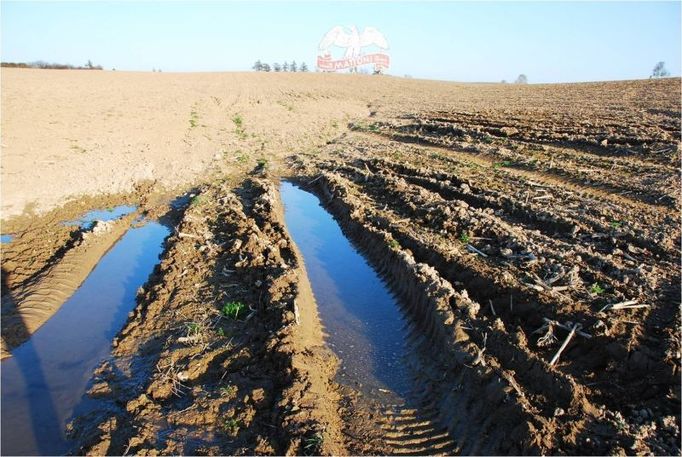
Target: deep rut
<point>38,298</point>
<point>383,358</point>
<point>410,431</point>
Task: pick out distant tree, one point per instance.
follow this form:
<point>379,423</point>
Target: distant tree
<point>276,67</point>
<point>522,79</point>
<point>293,66</point>
<point>504,81</point>
<point>153,70</point>
<point>304,67</point>
<point>53,66</point>
<point>258,66</point>
<point>265,67</point>
<point>660,71</point>
<point>285,67</point>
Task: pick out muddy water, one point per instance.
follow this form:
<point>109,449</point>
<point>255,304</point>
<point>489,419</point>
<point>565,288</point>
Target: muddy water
<point>47,376</point>
<point>363,323</point>
<point>102,215</point>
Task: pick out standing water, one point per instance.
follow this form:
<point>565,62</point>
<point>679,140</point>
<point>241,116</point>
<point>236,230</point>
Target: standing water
<point>102,215</point>
<point>47,376</point>
<point>362,320</point>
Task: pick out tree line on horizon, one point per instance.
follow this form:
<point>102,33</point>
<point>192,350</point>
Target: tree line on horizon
<point>290,67</point>
<point>521,79</point>
<point>659,70</point>
<point>50,66</point>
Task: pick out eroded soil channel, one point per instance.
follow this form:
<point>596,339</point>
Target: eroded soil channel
<point>44,381</point>
<point>366,328</point>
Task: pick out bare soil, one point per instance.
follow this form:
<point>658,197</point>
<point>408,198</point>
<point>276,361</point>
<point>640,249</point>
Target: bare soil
<point>505,218</point>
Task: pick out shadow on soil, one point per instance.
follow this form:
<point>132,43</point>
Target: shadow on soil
<point>45,378</point>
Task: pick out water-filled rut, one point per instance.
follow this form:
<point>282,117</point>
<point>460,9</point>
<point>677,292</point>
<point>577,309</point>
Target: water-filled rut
<point>361,318</point>
<point>366,327</point>
<point>46,377</point>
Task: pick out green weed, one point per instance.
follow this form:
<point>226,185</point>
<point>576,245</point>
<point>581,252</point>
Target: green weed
<point>228,391</point>
<point>239,126</point>
<point>194,328</point>
<point>365,127</point>
<point>195,201</point>
<point>465,237</point>
<point>285,105</point>
<point>233,309</point>
<point>504,163</point>
<point>596,289</point>
<point>313,444</point>
<point>616,224</point>
<point>193,119</point>
<point>241,157</point>
<point>232,426</point>
<point>394,245</point>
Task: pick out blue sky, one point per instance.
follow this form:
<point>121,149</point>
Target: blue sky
<point>459,41</point>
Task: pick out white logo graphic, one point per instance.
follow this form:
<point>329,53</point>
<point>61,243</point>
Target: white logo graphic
<point>353,42</point>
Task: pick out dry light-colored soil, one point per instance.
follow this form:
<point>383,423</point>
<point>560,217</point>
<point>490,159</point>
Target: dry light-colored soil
<point>507,219</point>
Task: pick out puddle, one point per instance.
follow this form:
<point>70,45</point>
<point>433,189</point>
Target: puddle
<point>47,376</point>
<point>4,239</point>
<point>102,215</point>
<point>362,320</point>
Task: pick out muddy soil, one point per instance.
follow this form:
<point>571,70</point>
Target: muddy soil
<point>528,259</point>
<point>188,376</point>
<point>530,234</point>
